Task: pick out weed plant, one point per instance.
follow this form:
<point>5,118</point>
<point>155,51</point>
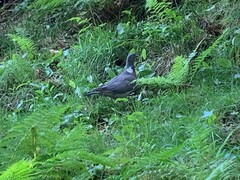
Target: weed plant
<point>182,124</point>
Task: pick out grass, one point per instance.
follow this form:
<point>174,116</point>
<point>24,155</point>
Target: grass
<point>184,131</point>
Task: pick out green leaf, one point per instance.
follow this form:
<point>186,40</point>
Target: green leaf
<point>120,28</point>
<point>20,170</point>
<point>144,54</point>
<point>90,78</point>
<point>119,138</point>
<point>72,84</point>
<point>121,100</point>
<point>110,72</point>
<point>150,3</point>
<point>136,116</point>
<point>223,62</point>
<point>127,12</point>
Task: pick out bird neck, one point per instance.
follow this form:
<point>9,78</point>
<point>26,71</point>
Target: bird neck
<point>130,63</point>
<point>130,70</point>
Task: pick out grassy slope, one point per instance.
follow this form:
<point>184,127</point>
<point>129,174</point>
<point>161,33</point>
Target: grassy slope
<point>179,132</point>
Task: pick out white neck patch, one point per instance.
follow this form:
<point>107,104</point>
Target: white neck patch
<point>130,70</point>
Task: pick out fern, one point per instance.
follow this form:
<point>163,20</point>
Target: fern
<point>176,76</point>
<point>198,61</point>
<point>179,70</point>
<point>25,44</point>
<point>160,11</point>
<point>20,170</point>
<point>71,154</point>
<point>57,154</point>
<point>63,159</point>
<point>32,133</point>
<point>46,4</point>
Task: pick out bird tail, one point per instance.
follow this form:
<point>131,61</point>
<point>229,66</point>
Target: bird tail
<point>91,93</point>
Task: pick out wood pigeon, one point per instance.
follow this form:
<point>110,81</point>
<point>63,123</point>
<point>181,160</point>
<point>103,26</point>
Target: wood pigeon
<point>121,85</point>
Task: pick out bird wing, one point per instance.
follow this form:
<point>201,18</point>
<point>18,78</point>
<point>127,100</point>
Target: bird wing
<point>119,84</point>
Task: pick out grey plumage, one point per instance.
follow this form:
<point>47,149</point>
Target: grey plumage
<point>121,85</point>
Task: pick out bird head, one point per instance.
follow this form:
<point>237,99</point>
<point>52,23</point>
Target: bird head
<point>130,60</point>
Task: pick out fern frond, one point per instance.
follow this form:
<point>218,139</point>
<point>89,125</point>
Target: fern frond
<point>74,139</point>
<point>77,160</point>
<point>80,155</point>
<point>20,170</point>
<point>24,43</point>
<point>179,70</point>
<point>46,4</point>
<point>198,61</point>
<point>31,133</point>
<point>160,11</point>
<point>176,76</point>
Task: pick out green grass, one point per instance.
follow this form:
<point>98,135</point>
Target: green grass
<point>184,130</point>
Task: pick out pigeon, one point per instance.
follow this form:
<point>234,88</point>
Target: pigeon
<point>120,86</point>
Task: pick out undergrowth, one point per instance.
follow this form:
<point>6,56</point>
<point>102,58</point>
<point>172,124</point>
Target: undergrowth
<point>183,123</point>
